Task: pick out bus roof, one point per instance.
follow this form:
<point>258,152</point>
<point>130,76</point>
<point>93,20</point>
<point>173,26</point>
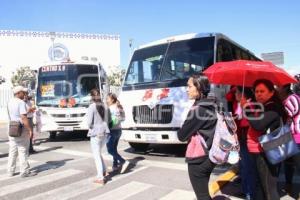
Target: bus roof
<point>70,62</point>
<point>191,36</point>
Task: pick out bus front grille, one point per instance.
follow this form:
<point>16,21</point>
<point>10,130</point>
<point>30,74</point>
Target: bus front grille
<point>68,123</point>
<point>160,114</point>
<point>65,115</point>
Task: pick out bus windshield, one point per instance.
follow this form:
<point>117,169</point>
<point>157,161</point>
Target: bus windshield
<point>66,85</point>
<point>170,61</point>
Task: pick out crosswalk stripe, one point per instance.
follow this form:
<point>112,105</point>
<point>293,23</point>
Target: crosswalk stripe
<point>36,181</point>
<point>3,159</point>
<point>77,188</point>
<point>154,163</point>
<point>68,191</point>
<point>66,151</point>
<point>179,195</point>
<point>161,164</point>
<point>4,166</point>
<point>124,191</point>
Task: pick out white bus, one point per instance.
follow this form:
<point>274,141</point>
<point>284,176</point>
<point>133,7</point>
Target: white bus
<point>62,94</point>
<point>154,90</point>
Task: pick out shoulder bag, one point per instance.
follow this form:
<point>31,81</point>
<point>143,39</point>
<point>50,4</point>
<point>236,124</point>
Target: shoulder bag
<point>15,127</point>
<point>279,144</point>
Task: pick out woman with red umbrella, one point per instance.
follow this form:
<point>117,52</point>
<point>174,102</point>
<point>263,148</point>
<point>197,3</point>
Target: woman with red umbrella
<point>269,117</point>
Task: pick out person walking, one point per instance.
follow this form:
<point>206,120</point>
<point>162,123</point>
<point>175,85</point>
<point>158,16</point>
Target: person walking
<point>98,129</point>
<point>291,102</point>
<point>201,119</point>
<point>117,116</point>
<point>268,117</point>
<point>18,146</point>
<point>30,112</point>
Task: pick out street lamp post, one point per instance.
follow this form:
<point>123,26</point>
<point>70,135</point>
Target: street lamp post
<point>130,48</point>
<point>52,37</point>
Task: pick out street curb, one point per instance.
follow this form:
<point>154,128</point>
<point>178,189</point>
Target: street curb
<point>222,180</point>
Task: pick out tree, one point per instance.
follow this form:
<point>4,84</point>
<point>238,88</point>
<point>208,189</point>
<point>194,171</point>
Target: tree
<point>24,76</point>
<point>116,76</point>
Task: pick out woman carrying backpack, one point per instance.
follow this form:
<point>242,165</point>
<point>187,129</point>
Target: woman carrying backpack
<point>98,130</point>
<point>201,120</point>
<point>268,117</point>
<point>117,116</point>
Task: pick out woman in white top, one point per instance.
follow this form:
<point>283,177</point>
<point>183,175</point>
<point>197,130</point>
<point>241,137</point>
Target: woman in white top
<point>98,130</point>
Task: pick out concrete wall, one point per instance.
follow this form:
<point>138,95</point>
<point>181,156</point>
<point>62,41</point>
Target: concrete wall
<point>33,48</point>
<point>5,95</point>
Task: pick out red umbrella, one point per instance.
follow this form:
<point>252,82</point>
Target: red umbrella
<point>245,72</point>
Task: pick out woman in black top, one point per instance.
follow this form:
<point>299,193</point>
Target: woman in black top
<point>202,119</point>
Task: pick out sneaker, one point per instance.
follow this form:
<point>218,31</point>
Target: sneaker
<point>100,182</point>
<point>10,174</point>
<point>124,166</point>
<point>28,174</point>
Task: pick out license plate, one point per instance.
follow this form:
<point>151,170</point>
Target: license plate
<point>151,137</point>
<point>68,128</point>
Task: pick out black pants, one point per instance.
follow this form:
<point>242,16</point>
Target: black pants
<point>199,176</point>
<point>31,125</point>
<point>289,167</point>
<point>266,180</point>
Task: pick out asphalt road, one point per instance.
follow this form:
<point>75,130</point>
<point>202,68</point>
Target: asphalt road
<point>66,170</point>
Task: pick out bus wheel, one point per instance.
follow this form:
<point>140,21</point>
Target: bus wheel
<point>139,146</point>
<point>52,135</point>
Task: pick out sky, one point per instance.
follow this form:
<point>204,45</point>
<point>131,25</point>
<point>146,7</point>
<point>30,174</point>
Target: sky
<point>260,26</point>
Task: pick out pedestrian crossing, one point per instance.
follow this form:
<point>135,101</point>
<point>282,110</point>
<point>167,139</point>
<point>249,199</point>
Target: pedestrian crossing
<point>55,181</point>
<point>124,191</point>
<point>17,187</point>
<point>72,183</point>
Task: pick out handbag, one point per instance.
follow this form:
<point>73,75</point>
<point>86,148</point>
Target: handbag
<point>14,128</point>
<point>279,144</point>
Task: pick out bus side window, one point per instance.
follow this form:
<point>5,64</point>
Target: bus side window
<point>238,55</point>
<point>245,56</point>
<point>224,51</point>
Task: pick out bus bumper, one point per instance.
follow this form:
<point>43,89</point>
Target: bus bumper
<point>154,137</point>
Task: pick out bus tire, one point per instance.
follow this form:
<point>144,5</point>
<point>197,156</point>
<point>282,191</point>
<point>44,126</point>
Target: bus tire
<point>52,135</point>
<point>139,146</point>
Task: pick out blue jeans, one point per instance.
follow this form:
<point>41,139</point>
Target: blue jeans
<point>112,147</point>
<point>96,145</point>
<point>247,172</point>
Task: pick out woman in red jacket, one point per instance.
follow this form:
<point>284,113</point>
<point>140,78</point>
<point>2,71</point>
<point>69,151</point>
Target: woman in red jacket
<point>268,118</point>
